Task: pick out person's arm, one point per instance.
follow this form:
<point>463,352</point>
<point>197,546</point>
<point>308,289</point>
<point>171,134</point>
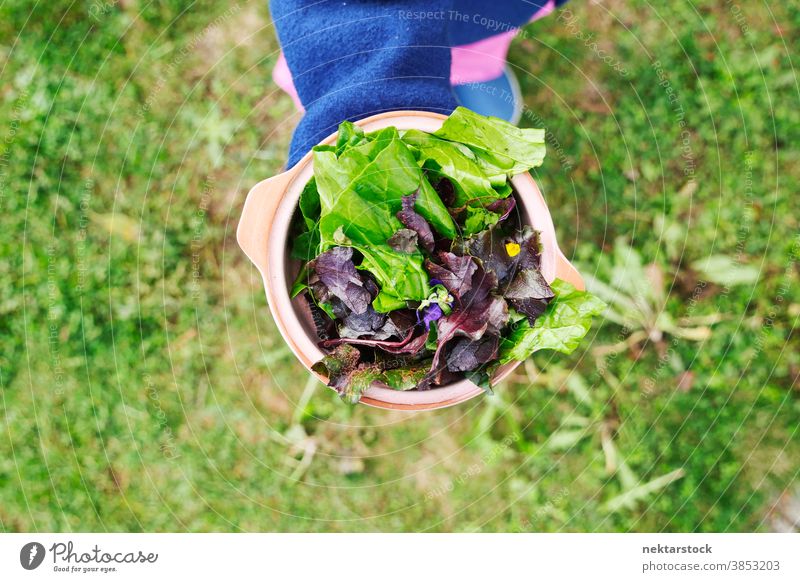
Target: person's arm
<point>350,59</point>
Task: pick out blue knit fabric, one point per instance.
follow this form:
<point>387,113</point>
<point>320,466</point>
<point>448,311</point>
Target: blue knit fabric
<point>475,20</point>
<point>355,58</point>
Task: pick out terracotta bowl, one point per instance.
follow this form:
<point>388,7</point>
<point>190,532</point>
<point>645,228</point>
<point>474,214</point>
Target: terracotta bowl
<point>263,235</point>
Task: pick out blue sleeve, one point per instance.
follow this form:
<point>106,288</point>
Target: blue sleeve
<point>355,58</point>
<point>479,19</point>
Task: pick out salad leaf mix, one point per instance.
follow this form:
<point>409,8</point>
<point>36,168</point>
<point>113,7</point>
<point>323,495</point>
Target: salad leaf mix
<point>416,267</point>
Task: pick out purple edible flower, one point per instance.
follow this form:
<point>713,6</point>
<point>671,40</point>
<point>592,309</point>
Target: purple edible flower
<point>431,313</point>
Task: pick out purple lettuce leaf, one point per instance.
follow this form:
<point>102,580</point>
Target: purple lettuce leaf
<point>505,255</point>
<point>529,293</point>
<point>370,323</point>
<point>333,275</point>
<point>404,320</point>
<point>503,207</point>
<point>467,355</point>
<point>455,272</point>
<point>530,253</point>
<point>475,313</point>
<point>408,345</point>
<point>446,191</point>
<point>411,220</point>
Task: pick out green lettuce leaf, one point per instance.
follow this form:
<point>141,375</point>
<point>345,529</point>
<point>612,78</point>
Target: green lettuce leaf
<point>401,276</point>
<point>394,171</point>
<point>380,171</point>
<point>455,162</point>
<point>561,327</point>
<point>309,204</point>
<point>386,302</point>
<point>479,219</point>
<point>499,147</point>
<point>406,378</point>
<point>381,168</point>
<point>350,216</point>
<point>306,242</point>
<point>360,193</point>
<point>351,378</point>
<point>349,135</point>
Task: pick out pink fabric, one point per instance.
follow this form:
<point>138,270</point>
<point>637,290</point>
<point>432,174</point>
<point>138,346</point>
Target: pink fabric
<point>472,63</point>
<point>485,59</point>
<point>480,61</point>
<point>283,79</point>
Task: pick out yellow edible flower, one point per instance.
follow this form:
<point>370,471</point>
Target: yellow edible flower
<point>512,249</point>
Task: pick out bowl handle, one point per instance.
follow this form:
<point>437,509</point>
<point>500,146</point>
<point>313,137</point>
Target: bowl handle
<point>566,272</point>
<point>257,217</point>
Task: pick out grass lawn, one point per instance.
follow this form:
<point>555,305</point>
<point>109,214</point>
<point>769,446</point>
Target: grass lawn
<point>143,384</point>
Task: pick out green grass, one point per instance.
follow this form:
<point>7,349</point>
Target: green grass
<point>144,385</point>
